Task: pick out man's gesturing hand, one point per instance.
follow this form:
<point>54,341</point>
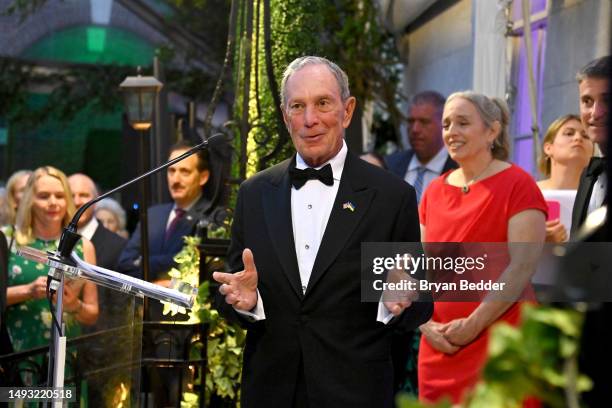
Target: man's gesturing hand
<point>240,288</point>
<point>396,301</point>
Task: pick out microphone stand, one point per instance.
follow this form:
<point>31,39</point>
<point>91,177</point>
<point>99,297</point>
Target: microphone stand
<point>61,262</point>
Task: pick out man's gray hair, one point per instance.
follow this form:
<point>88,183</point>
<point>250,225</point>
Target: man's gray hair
<point>432,98</point>
<point>301,62</point>
<point>600,68</point>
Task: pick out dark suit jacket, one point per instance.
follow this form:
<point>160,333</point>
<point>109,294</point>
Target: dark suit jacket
<point>398,162</point>
<point>594,358</point>
<point>108,247</point>
<point>4,258</point>
<point>588,178</point>
<point>329,331</point>
<point>161,252</point>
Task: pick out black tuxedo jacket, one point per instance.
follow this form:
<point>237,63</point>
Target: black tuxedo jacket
<point>4,258</point>
<point>588,178</point>
<point>161,251</point>
<point>108,247</point>
<point>327,332</point>
<point>398,162</point>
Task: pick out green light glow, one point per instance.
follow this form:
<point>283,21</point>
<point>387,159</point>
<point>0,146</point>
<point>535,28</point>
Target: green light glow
<point>93,45</point>
<point>96,38</point>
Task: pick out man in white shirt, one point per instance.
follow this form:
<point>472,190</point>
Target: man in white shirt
<point>108,245</point>
<point>427,158</point>
<point>112,304</point>
<point>296,253</point>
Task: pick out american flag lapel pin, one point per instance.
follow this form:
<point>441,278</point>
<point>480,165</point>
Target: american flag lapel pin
<point>348,206</point>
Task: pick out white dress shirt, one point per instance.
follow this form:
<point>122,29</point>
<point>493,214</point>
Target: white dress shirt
<point>89,229</point>
<point>599,193</point>
<point>311,206</point>
<point>432,169</point>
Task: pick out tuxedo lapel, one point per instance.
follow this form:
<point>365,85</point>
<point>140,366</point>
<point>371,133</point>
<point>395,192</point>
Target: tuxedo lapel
<point>351,204</point>
<point>583,195</point>
<point>582,200</point>
<point>276,200</point>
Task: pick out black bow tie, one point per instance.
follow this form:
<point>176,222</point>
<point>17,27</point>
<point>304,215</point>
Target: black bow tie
<point>597,165</point>
<point>300,177</point>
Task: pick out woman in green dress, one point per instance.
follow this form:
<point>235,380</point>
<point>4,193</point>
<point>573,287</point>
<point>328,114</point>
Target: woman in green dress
<point>45,209</point>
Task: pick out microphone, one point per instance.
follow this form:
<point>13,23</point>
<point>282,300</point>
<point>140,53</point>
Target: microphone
<point>70,237</point>
<point>65,261</point>
<point>107,278</point>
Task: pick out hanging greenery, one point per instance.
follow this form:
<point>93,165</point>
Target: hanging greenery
<point>275,32</point>
<point>224,341</point>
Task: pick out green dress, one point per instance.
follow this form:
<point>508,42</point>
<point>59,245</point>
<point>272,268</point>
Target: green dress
<point>29,322</point>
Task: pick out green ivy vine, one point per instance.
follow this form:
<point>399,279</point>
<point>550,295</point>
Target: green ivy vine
<point>348,32</point>
<point>224,342</point>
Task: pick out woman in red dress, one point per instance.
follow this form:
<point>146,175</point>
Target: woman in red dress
<point>485,200</point>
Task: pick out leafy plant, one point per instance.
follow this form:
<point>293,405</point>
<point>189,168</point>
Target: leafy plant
<point>537,359</point>
<point>224,341</point>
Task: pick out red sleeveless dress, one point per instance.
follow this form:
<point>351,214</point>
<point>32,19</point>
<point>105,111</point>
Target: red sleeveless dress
<point>481,215</point>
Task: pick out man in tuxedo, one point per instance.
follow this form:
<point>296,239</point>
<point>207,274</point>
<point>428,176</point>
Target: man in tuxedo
<point>295,253</point>
<point>594,90</point>
<point>593,85</point>
<point>169,223</point>
<point>427,158</point>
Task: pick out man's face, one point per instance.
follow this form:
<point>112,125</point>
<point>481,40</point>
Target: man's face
<point>594,101</point>
<point>315,114</point>
<point>185,181</point>
<point>83,190</point>
<point>425,131</point>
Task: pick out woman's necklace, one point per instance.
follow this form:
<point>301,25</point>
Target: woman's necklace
<point>466,187</point>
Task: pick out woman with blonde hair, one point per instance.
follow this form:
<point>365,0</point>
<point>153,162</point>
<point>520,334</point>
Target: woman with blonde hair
<point>45,209</point>
<point>486,199</point>
<point>566,152</point>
